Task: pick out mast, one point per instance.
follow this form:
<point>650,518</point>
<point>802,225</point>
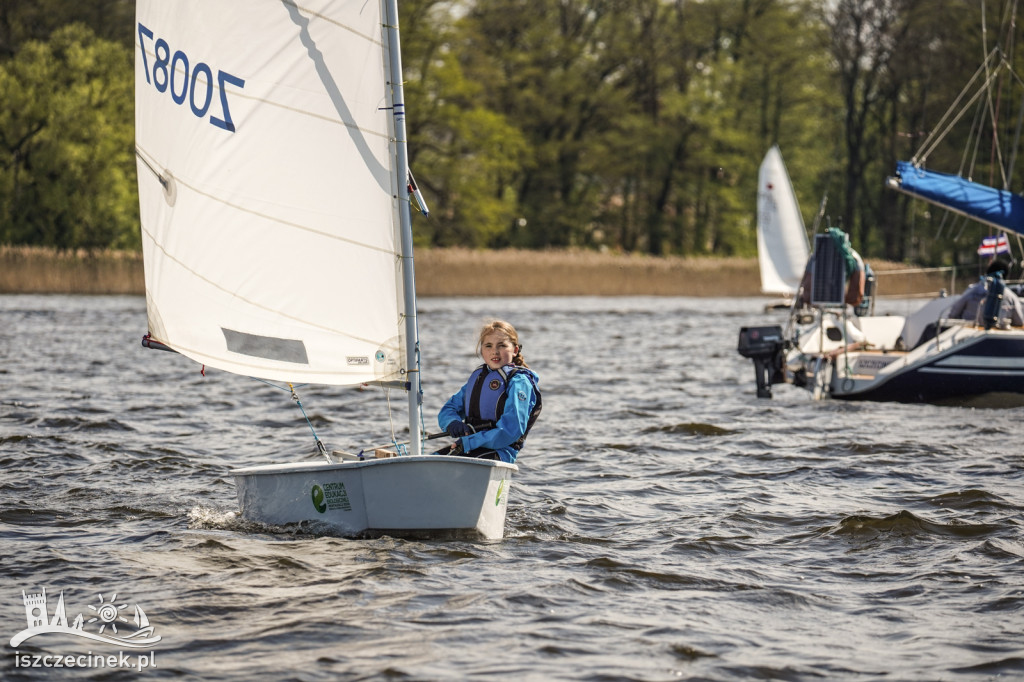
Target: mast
<point>412,340</point>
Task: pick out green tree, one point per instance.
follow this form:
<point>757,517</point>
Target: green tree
<point>787,95</point>
<point>67,171</point>
<point>463,154</point>
<point>546,69</point>
<point>715,84</point>
<point>25,20</point>
<point>902,64</point>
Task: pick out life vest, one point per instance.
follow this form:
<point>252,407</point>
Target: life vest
<point>488,395</point>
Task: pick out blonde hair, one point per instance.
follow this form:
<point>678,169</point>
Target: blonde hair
<point>509,332</point>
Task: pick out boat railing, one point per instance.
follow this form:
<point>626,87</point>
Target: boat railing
<point>944,324</point>
<point>951,269</point>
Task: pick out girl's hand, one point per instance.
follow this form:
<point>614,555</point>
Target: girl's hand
<point>458,429</point>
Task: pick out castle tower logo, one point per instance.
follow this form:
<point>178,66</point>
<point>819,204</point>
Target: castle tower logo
<point>109,619</point>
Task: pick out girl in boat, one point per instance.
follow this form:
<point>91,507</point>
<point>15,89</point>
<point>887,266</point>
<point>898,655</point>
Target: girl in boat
<point>493,412</point>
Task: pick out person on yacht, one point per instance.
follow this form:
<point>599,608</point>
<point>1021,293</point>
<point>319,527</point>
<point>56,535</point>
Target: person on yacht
<point>968,306</point>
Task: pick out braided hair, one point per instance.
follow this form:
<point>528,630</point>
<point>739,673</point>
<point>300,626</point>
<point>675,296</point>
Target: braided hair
<point>509,332</point>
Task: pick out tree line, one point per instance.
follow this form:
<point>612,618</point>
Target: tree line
<point>632,125</point>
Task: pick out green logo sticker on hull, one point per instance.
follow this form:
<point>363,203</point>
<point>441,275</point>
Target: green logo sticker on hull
<point>318,499</point>
<point>501,489</point>
<point>330,496</point>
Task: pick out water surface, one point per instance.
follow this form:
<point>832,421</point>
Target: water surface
<point>665,523</point>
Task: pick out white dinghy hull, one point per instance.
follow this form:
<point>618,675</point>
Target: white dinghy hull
<point>417,496</point>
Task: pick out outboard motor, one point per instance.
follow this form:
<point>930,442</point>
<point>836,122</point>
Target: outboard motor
<point>764,345</point>
<point>993,300</point>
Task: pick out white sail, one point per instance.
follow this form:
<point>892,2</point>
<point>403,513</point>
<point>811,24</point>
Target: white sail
<point>269,201</point>
<point>782,248</point>
<point>140,619</point>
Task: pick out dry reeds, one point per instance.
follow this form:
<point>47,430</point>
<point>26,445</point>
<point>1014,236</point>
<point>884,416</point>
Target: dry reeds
<point>513,272</point>
<point>462,272</point>
<point>895,280</point>
<point>37,270</point>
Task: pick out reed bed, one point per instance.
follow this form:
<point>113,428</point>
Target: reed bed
<point>896,280</point>
<point>511,272</point>
<point>36,270</point>
<point>463,272</point>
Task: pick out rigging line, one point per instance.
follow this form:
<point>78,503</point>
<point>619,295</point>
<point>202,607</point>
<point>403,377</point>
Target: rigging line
<point>321,448</point>
<point>324,17</point>
<point>984,28</point>
<point>953,107</point>
<point>391,421</point>
<point>969,160</point>
<point>963,226</point>
<point>1011,164</point>
<point>1016,141</point>
<point>423,426</point>
<point>1011,32</point>
<point>942,128</point>
<point>993,111</point>
<point>319,443</point>
<point>1013,73</point>
<point>942,224</point>
<point>1009,25</point>
<point>273,385</point>
<point>147,164</point>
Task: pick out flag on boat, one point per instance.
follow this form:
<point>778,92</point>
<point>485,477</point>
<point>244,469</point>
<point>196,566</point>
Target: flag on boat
<point>991,246</point>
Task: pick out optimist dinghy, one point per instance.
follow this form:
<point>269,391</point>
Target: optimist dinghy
<point>275,205</point>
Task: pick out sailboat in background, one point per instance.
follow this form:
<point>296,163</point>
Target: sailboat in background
<point>782,247</point>
<point>927,356</point>
<point>275,206</point>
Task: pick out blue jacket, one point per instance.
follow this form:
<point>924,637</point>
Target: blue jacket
<point>512,423</point>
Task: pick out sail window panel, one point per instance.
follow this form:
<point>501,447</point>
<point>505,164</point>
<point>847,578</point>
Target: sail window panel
<point>268,347</point>
<point>195,320</point>
<point>273,291</point>
<point>297,275</point>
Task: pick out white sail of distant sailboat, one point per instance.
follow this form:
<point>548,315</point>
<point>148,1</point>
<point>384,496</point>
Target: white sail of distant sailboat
<point>782,247</point>
<point>277,239</point>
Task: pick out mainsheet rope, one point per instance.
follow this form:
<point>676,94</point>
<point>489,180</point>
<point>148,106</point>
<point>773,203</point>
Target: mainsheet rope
<point>321,448</point>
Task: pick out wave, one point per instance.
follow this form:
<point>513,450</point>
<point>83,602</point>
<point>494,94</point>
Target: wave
<point>906,523</point>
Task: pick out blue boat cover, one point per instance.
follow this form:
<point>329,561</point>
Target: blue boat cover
<point>995,207</point>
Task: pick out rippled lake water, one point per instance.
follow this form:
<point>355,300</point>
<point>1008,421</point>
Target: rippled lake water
<point>665,523</point>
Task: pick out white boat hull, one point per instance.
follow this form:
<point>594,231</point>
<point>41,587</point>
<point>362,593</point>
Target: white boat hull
<point>428,495</point>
